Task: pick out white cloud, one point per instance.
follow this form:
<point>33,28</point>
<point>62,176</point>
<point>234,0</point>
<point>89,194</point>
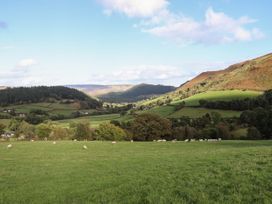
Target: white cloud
<point>26,62</point>
<point>19,74</point>
<point>156,74</point>
<point>134,8</point>
<point>156,19</point>
<point>216,28</point>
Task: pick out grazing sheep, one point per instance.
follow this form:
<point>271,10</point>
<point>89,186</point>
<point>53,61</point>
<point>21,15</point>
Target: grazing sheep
<point>174,140</point>
<point>219,139</point>
<point>54,142</point>
<point>75,140</point>
<point>32,140</point>
<point>9,146</point>
<point>85,147</point>
<point>186,140</point>
<point>200,140</point>
<point>113,142</point>
<point>131,141</point>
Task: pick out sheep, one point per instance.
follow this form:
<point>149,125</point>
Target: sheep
<point>200,140</point>
<point>32,140</point>
<point>186,140</point>
<point>75,140</point>
<point>85,147</point>
<point>54,142</point>
<point>131,141</point>
<point>9,146</point>
<point>174,140</point>
<point>113,142</point>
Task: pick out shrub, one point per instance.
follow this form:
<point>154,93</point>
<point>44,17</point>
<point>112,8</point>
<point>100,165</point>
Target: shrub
<point>43,130</point>
<point>2,128</point>
<point>148,127</point>
<point>26,130</point>
<point>81,131</point>
<point>223,131</point>
<point>253,134</point>
<point>59,133</point>
<point>108,131</point>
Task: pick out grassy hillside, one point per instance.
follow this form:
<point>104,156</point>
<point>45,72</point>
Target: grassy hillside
<point>250,75</point>
<point>219,96</point>
<point>94,121</point>
<point>192,112</point>
<point>200,172</point>
<point>136,93</point>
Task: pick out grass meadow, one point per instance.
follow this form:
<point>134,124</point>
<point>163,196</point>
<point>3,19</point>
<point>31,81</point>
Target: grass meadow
<point>219,96</point>
<point>196,172</point>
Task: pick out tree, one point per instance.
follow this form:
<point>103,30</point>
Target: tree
<point>108,131</point>
<point>26,130</point>
<point>223,131</point>
<point>43,130</point>
<point>148,127</point>
<point>253,133</point>
<point>2,128</point>
<point>60,133</point>
<point>81,131</point>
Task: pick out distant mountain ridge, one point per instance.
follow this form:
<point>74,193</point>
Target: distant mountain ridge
<point>97,90</point>
<point>136,93</point>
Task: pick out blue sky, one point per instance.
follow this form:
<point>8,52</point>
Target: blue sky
<point>54,42</point>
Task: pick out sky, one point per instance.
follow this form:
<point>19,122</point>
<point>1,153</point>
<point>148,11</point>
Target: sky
<point>60,42</point>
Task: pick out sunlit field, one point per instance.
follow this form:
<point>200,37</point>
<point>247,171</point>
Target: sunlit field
<point>167,172</point>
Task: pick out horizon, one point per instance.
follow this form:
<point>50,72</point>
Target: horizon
<point>110,42</point>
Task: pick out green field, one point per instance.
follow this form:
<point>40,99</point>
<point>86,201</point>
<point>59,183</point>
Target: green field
<point>198,112</point>
<point>50,108</point>
<point>219,96</point>
<point>197,172</point>
<point>94,121</point>
<point>192,112</point>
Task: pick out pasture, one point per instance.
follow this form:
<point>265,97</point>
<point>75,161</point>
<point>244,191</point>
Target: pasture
<point>219,96</point>
<point>196,172</point>
<point>192,112</point>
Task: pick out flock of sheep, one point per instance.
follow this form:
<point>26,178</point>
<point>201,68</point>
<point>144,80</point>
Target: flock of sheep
<point>9,146</point>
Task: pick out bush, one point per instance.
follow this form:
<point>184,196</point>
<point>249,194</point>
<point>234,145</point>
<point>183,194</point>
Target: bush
<point>26,130</point>
<point>59,133</point>
<point>209,133</point>
<point>186,132</point>
<point>253,134</point>
<point>223,131</point>
<point>148,127</point>
<point>2,128</point>
<point>108,131</point>
<point>81,131</point>
<point>43,130</point>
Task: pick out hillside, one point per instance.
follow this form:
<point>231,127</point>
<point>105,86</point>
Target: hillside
<point>97,90</point>
<point>27,95</point>
<point>250,75</point>
<point>136,93</point>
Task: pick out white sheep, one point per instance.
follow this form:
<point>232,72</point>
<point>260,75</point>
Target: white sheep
<point>32,140</point>
<point>131,141</point>
<point>54,142</point>
<point>186,140</point>
<point>85,147</point>
<point>9,146</point>
<point>75,140</point>
<point>113,142</point>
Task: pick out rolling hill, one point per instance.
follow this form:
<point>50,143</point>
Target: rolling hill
<point>97,90</point>
<point>250,75</point>
<point>28,95</point>
<point>136,93</point>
